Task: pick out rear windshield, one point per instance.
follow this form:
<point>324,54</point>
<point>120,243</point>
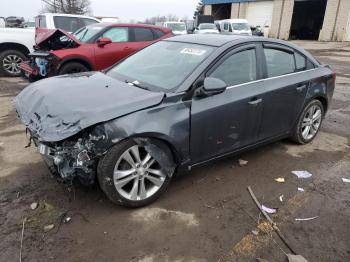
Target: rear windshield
<point>207,26</point>
<point>240,26</point>
<point>69,24</point>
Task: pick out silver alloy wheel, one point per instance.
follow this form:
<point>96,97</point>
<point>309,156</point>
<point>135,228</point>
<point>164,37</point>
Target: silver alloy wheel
<point>11,64</point>
<point>137,175</point>
<point>311,122</point>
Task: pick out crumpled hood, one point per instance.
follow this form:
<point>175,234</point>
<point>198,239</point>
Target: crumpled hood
<point>43,36</point>
<point>59,107</point>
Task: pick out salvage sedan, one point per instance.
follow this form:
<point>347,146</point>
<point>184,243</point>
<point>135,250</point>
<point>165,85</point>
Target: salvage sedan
<point>174,105</point>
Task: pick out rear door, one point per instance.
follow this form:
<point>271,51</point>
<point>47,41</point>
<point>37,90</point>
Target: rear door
<point>286,84</point>
<point>230,120</point>
<point>106,56</point>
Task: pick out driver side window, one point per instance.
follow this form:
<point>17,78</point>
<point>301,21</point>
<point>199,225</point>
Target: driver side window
<point>117,34</point>
<point>237,69</point>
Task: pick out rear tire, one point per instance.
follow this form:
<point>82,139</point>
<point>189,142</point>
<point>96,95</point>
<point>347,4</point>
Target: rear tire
<point>114,170</point>
<point>9,63</point>
<point>72,68</point>
<point>309,123</point>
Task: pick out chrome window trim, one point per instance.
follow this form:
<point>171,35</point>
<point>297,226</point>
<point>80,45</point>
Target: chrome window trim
<point>274,77</point>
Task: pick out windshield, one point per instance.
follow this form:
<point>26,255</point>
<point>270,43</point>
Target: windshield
<point>162,66</point>
<point>207,26</point>
<point>86,33</point>
<point>176,26</point>
<point>240,26</point>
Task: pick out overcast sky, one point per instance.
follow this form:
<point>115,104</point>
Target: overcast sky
<point>124,9</point>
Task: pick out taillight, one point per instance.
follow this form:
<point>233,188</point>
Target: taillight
<point>334,75</point>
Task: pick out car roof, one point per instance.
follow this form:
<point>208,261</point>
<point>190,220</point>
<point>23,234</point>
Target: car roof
<point>235,20</point>
<point>108,24</point>
<point>207,39</point>
<point>68,15</point>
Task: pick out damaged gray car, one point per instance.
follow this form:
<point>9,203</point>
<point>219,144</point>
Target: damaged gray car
<point>174,105</point>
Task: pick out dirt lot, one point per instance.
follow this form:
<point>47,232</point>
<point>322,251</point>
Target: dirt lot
<point>206,215</point>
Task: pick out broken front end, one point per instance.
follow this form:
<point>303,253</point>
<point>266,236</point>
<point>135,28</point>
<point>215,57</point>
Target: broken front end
<point>42,62</point>
<point>74,157</point>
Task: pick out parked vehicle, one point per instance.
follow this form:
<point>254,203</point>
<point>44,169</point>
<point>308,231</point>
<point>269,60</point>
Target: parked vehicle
<point>16,44</point>
<point>205,28</point>
<point>176,104</point>
<point>2,22</point>
<point>14,21</point>
<point>29,24</point>
<point>92,48</point>
<point>203,19</point>
<point>178,28</point>
<point>257,31</point>
<point>66,22</point>
<point>234,26</point>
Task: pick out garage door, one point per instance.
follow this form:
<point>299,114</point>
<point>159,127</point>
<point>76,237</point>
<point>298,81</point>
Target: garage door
<point>260,13</point>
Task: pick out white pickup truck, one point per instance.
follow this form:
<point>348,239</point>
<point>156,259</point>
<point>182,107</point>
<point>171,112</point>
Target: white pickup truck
<point>17,43</point>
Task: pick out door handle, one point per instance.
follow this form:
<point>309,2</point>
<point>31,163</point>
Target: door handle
<point>255,101</point>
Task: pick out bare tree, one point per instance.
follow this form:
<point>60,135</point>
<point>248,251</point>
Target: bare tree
<point>199,9</point>
<point>78,7</point>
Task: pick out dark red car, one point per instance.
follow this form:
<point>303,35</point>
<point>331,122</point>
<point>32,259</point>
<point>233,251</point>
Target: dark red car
<point>92,48</point>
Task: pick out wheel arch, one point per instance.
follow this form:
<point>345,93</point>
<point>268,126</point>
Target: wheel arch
<point>14,46</point>
<point>75,60</point>
<point>324,102</point>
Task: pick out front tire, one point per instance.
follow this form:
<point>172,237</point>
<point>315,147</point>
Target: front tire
<point>130,176</point>
<point>9,63</point>
<point>309,123</point>
<point>72,68</point>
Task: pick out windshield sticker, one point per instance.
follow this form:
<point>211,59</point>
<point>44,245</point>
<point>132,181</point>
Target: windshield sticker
<point>193,51</point>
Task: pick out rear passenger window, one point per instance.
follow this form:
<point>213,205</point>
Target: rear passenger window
<point>300,62</point>
<point>279,62</point>
<point>143,34</point>
<point>157,33</point>
<point>238,69</point>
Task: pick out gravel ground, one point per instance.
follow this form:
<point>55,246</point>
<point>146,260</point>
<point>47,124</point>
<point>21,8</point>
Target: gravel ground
<point>206,215</point>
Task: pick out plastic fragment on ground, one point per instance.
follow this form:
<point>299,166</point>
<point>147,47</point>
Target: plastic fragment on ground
<point>268,210</point>
<point>242,162</point>
<point>281,198</point>
<point>306,219</point>
<point>301,189</point>
<point>302,174</point>
<point>280,180</point>
<point>346,180</point>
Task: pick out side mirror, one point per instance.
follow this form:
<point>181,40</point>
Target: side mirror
<point>212,86</point>
<point>103,41</point>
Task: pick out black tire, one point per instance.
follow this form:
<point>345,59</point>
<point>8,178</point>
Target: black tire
<point>4,55</point>
<point>105,172</point>
<point>297,133</point>
<point>72,68</point>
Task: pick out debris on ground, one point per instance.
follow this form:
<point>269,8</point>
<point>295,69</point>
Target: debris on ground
<point>300,189</point>
<point>268,218</point>
<point>34,206</point>
<point>255,232</point>
<point>67,219</point>
<point>22,234</point>
<point>281,198</point>
<point>242,162</point>
<point>302,174</point>
<point>280,180</point>
<point>296,258</point>
<point>47,228</point>
<point>346,180</point>
<point>261,260</point>
<point>306,219</point>
<point>268,210</point>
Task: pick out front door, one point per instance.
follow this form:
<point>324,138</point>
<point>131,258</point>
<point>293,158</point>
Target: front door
<point>230,120</point>
<point>106,56</point>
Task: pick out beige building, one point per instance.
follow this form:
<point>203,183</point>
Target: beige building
<point>324,20</point>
